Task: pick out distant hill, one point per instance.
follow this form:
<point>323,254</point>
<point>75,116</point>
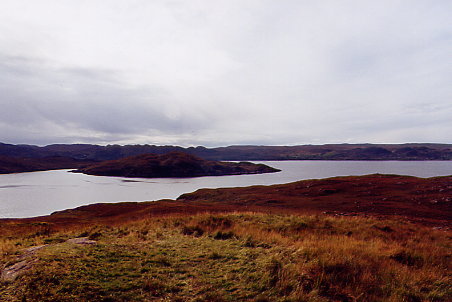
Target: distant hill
<point>338,152</point>
<point>173,164</point>
<point>410,151</point>
<point>20,164</point>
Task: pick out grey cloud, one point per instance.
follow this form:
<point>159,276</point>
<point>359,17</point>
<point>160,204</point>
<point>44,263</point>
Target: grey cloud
<point>227,72</point>
<point>34,94</point>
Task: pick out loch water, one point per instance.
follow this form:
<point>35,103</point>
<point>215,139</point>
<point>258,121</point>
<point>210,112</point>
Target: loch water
<point>41,193</point>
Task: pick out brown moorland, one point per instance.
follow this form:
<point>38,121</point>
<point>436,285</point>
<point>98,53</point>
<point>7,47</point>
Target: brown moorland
<point>422,200</point>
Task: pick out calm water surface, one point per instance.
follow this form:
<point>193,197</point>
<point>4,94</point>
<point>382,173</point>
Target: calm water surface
<point>41,193</point>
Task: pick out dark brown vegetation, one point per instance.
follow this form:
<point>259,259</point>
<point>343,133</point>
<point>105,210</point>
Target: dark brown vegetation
<point>420,199</point>
<point>173,164</point>
<point>369,238</point>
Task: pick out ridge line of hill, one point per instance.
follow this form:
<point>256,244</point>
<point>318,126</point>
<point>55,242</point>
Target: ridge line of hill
<point>406,151</point>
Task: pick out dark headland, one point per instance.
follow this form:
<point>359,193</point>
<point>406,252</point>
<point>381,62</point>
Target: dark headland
<point>173,164</point>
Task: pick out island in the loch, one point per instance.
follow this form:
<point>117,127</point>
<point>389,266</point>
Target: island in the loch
<point>173,164</point>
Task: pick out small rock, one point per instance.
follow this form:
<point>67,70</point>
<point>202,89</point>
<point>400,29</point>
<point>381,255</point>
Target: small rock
<point>81,240</point>
<point>10,273</point>
<point>32,250</point>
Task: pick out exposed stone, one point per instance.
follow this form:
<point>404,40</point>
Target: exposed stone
<point>81,240</point>
<point>10,273</point>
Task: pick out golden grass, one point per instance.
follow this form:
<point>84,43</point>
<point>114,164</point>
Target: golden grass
<point>238,257</point>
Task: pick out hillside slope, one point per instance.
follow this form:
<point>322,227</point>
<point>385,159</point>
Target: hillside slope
<point>422,200</point>
<point>378,194</point>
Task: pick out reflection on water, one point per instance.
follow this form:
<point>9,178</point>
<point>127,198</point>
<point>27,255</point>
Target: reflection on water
<point>41,193</point>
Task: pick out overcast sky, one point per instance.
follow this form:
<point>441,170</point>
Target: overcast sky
<point>214,73</point>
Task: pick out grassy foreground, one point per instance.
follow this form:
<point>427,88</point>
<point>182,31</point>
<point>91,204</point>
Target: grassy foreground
<point>231,257</point>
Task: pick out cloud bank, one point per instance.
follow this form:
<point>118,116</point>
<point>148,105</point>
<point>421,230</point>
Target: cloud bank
<point>225,72</point>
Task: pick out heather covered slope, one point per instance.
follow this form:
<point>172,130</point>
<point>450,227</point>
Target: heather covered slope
<point>174,164</point>
<point>422,199</point>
